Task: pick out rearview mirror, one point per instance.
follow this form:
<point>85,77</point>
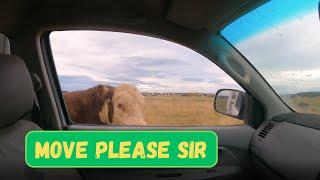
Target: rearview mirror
<point>229,102</point>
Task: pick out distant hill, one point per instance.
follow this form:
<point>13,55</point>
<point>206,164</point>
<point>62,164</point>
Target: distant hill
<point>303,94</point>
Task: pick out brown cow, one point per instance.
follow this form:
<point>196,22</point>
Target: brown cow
<point>101,104</point>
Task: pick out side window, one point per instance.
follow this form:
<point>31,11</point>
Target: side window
<point>112,78</point>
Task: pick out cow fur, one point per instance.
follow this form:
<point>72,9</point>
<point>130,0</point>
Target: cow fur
<point>128,106</point>
<point>101,104</point>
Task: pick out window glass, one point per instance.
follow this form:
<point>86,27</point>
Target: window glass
<point>282,40</point>
<point>116,78</point>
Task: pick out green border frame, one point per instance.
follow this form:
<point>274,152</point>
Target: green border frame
<point>108,166</point>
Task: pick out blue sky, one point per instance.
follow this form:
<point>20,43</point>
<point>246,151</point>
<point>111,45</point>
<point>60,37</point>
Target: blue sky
<point>267,16</point>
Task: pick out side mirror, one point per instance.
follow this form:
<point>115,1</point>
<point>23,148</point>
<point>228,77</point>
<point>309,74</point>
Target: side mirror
<point>230,102</point>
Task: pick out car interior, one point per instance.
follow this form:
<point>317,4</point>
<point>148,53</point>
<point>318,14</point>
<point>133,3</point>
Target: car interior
<point>275,143</point>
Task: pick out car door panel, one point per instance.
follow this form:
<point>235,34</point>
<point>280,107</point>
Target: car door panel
<point>232,155</point>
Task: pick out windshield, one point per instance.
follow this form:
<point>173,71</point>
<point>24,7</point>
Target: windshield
<point>282,40</point>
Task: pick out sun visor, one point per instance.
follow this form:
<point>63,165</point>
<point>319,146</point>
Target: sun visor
<point>190,14</point>
<point>208,14</point>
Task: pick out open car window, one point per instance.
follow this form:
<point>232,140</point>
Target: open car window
<point>282,40</point>
<point>113,78</point>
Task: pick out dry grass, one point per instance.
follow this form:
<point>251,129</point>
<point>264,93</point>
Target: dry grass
<point>184,111</point>
<point>313,104</point>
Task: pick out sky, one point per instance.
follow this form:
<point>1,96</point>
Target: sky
<point>84,59</point>
<point>269,15</point>
<point>281,39</point>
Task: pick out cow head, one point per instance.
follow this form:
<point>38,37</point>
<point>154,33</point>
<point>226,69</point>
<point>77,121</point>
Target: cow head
<point>125,107</point>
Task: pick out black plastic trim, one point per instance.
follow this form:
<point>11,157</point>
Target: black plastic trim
<point>53,78</point>
<point>307,120</point>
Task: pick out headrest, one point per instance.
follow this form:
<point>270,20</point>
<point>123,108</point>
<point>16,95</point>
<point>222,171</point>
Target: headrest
<point>4,44</point>
<point>16,89</point>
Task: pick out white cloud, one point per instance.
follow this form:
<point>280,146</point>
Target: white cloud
<point>151,64</point>
<point>288,55</point>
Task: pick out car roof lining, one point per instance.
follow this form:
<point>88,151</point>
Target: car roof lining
<point>208,14</point>
<point>205,14</point>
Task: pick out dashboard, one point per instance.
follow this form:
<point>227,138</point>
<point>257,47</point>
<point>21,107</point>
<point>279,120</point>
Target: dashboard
<point>288,147</point>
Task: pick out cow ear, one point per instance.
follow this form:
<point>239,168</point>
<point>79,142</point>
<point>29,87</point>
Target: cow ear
<point>108,92</point>
<point>104,95</point>
<point>104,114</point>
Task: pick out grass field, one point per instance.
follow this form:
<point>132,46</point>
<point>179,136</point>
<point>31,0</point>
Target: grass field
<point>198,111</point>
<point>305,104</point>
<point>184,111</point>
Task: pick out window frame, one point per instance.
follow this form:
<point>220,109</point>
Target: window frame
<point>54,80</point>
<point>57,92</point>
